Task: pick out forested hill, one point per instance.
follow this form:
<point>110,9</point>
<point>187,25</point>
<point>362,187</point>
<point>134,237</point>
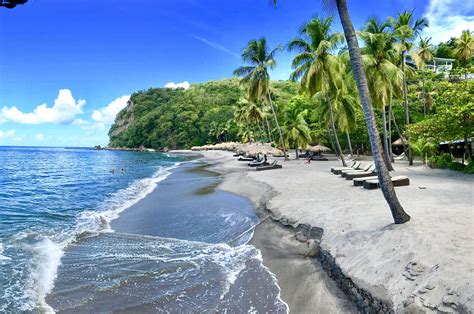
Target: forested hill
<point>204,113</point>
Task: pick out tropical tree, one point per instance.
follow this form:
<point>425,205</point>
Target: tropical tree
<point>406,29</point>
<point>318,70</point>
<point>386,185</point>
<point>259,59</point>
<point>384,77</point>
<point>464,49</point>
<point>423,148</point>
<point>241,117</point>
<point>295,129</point>
<point>424,54</point>
<point>10,4</point>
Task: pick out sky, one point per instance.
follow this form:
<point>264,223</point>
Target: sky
<point>68,67</point>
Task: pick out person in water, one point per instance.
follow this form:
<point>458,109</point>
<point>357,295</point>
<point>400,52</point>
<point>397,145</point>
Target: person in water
<point>122,171</point>
<point>112,171</point>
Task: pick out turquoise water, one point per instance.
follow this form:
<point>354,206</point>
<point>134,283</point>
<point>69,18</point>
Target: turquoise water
<point>49,196</point>
<point>75,237</point>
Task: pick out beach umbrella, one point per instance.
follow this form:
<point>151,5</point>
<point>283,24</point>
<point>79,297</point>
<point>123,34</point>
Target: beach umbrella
<point>399,142</point>
<point>263,149</point>
<point>318,148</point>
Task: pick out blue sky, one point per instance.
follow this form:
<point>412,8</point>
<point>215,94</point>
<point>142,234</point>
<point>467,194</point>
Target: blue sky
<point>67,67</point>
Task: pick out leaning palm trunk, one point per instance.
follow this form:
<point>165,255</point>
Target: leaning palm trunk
<point>423,90</point>
<point>248,134</point>
<point>399,133</point>
<point>385,140</point>
<point>297,152</point>
<point>282,143</point>
<point>330,138</point>
<point>338,146</point>
<point>386,185</point>
<point>390,133</point>
<point>405,103</point>
<point>350,144</point>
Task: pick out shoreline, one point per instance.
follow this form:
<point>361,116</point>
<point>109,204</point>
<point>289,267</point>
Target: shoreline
<point>291,253</point>
<point>382,266</point>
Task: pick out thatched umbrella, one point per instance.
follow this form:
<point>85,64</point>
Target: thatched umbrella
<point>264,149</point>
<point>318,148</point>
<point>399,142</point>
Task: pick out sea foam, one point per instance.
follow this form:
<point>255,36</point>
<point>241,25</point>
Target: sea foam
<point>47,253</point>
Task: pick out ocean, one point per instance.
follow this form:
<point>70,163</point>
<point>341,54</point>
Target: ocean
<point>155,237</point>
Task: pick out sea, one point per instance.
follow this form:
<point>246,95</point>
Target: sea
<point>84,230</point>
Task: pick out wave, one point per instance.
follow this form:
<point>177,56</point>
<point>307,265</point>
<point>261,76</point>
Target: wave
<point>47,251</point>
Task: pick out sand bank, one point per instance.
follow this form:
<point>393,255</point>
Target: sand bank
<point>426,264</point>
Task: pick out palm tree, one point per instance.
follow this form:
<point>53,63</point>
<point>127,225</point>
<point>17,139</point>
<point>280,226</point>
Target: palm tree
<point>318,70</point>
<point>295,129</point>
<point>405,28</point>
<point>464,48</point>
<point>241,117</point>
<point>260,59</point>
<point>424,54</point>
<point>424,148</point>
<point>386,185</point>
<point>385,78</point>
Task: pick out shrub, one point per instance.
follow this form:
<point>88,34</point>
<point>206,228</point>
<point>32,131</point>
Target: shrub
<point>456,166</point>
<point>469,168</point>
<point>441,161</point>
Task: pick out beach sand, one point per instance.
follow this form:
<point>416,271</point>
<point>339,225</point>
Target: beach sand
<point>426,264</point>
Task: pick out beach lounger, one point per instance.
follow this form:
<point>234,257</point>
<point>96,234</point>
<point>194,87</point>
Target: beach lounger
<point>337,170</point>
<point>237,155</point>
<point>319,157</point>
<point>246,159</point>
<point>360,181</point>
<point>366,168</point>
<point>397,181</point>
<point>258,163</point>
<point>273,165</point>
<point>355,175</point>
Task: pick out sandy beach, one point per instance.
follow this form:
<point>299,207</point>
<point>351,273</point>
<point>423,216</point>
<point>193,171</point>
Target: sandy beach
<point>426,264</point>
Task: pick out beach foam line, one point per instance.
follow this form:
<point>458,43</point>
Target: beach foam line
<point>47,254</point>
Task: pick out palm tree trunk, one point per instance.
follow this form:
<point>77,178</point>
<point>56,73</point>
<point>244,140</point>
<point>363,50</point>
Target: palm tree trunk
<point>423,90</point>
<point>248,134</point>
<point>350,144</point>
<point>282,143</point>
<point>297,154</point>
<point>330,138</point>
<point>386,185</point>
<point>399,133</point>
<point>270,135</point>
<point>385,140</point>
<point>338,146</point>
<point>405,103</point>
<point>390,133</point>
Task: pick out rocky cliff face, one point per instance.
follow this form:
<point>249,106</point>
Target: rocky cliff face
<point>123,120</point>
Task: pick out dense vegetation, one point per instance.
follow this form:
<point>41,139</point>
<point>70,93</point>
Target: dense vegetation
<point>439,106</point>
<point>163,117</point>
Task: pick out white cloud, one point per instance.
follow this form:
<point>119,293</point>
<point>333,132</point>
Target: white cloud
<point>106,115</point>
<point>63,111</point>
<point>7,134</point>
<point>39,136</point>
<point>80,122</point>
<point>174,85</point>
<point>448,18</point>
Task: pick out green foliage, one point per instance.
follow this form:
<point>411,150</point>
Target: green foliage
<point>456,166</point>
<point>162,117</point>
<point>453,118</point>
<point>441,161</point>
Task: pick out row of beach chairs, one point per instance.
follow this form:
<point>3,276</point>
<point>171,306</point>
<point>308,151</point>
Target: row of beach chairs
<point>259,163</point>
<point>365,175</point>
